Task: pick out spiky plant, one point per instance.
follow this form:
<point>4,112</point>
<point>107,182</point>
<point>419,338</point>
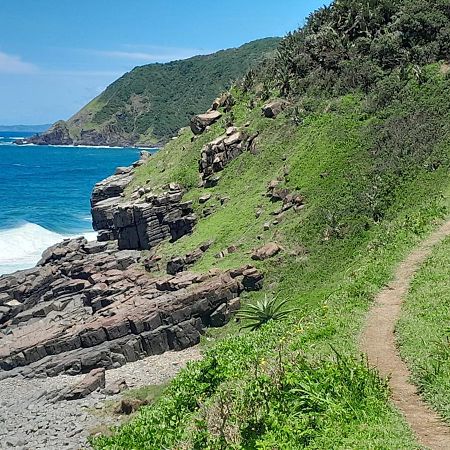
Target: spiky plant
<point>262,311</point>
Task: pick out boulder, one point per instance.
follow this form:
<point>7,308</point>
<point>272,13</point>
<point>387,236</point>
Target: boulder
<point>272,109</point>
<point>201,121</point>
<point>204,198</point>
<point>267,251</point>
<point>225,101</point>
<point>116,387</point>
<point>94,380</point>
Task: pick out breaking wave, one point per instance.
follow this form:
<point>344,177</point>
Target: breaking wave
<point>21,247</point>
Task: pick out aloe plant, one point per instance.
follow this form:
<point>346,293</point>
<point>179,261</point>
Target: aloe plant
<point>262,311</point>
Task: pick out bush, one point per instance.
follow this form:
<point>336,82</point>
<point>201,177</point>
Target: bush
<point>262,311</point>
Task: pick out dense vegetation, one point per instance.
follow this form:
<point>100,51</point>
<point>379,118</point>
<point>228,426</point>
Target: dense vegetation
<point>152,102</point>
<point>366,141</point>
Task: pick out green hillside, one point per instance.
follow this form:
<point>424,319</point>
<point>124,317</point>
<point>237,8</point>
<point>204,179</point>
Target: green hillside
<point>151,103</point>
<point>365,140</point>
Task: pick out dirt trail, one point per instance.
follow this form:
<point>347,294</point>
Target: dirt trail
<point>379,343</point>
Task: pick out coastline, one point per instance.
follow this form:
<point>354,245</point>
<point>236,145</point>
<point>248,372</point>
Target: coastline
<point>154,149</point>
<point>30,225</point>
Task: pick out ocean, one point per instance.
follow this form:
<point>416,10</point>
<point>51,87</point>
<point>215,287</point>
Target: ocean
<point>44,195</point>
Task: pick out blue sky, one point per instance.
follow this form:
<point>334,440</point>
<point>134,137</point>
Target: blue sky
<point>56,55</point>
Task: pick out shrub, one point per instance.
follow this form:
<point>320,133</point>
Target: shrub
<point>261,312</point>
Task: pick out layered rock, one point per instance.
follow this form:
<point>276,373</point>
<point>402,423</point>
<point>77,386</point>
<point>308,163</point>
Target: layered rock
<point>82,309</point>
<point>143,223</point>
<point>218,153</point>
<point>180,263</point>
<point>144,220</point>
<point>90,305</point>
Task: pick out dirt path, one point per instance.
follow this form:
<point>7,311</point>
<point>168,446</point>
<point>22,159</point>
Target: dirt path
<point>378,341</point>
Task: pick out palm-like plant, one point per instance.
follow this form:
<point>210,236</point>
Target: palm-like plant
<point>261,312</point>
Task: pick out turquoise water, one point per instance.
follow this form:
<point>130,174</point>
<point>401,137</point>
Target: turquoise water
<point>44,195</point>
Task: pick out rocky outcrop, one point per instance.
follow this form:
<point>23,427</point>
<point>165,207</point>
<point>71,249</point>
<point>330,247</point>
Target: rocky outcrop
<point>180,263</point>
<point>143,223</point>
<point>225,101</point>
<point>218,153</point>
<point>90,305</point>
<point>57,134</point>
<point>290,199</point>
<point>146,218</point>
<point>82,309</point>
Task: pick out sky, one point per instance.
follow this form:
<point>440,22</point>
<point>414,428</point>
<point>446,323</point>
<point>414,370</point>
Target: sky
<point>57,55</point>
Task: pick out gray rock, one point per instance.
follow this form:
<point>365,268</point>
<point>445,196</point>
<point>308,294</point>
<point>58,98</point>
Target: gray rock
<point>91,382</point>
<point>272,109</point>
<point>200,122</point>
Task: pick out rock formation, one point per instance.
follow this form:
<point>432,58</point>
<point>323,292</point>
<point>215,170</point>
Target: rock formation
<point>201,121</point>
<point>143,221</point>
<point>267,251</point>
<point>90,305</point>
<point>218,153</point>
<point>57,134</point>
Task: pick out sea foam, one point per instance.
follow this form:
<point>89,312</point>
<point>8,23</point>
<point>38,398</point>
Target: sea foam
<point>21,247</point>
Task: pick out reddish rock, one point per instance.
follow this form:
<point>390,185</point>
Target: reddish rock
<point>94,380</point>
<point>267,251</point>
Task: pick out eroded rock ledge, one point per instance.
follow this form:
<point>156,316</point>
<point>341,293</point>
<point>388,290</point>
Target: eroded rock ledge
<point>144,220</point>
<point>91,305</point>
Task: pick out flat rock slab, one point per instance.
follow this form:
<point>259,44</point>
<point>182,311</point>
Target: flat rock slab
<point>94,380</point>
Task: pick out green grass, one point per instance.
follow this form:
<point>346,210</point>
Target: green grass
<point>424,330</point>
<point>148,393</point>
<point>360,220</point>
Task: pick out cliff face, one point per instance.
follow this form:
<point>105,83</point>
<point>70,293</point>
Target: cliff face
<point>57,134</point>
<point>148,105</point>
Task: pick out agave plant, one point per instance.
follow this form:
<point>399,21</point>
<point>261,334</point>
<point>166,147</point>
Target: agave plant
<point>261,312</point>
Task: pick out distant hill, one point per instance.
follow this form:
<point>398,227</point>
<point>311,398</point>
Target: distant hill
<point>151,103</point>
<point>30,128</point>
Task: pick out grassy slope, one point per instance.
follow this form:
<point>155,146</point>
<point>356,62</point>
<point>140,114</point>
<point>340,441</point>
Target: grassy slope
<point>155,100</point>
<point>424,330</point>
<point>331,280</point>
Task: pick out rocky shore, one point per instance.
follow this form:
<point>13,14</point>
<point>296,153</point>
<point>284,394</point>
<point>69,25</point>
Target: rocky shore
<point>31,418</point>
<point>91,304</point>
<point>107,305</point>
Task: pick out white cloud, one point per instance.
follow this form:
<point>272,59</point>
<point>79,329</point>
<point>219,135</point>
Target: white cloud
<point>83,73</point>
<point>12,64</point>
<point>136,56</point>
<point>149,54</point>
